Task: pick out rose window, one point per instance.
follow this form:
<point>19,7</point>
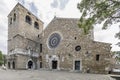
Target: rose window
<point>54,40</point>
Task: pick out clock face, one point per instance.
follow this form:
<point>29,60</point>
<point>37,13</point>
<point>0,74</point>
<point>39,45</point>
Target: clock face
<point>54,40</point>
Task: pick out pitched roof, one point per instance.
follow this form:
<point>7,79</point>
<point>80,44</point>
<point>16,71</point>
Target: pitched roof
<point>73,21</point>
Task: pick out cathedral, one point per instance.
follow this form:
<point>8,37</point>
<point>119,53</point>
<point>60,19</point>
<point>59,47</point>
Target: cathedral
<point>62,45</point>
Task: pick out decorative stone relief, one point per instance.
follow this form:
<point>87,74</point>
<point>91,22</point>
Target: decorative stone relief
<point>62,59</point>
<point>47,58</point>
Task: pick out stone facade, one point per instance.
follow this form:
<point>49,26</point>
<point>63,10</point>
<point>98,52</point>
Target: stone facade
<point>23,45</point>
<point>62,45</point>
<point>75,51</point>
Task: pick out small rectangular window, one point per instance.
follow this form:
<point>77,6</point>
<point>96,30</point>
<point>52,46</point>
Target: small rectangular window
<point>40,47</point>
<point>14,17</point>
<point>97,57</point>
<point>10,20</point>
<point>40,64</point>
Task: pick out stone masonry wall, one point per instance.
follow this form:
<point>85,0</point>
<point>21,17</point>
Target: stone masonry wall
<point>21,27</point>
<point>73,36</point>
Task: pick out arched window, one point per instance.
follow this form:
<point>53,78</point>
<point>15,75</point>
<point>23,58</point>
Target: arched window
<point>28,19</point>
<point>10,20</point>
<point>14,18</point>
<point>36,25</point>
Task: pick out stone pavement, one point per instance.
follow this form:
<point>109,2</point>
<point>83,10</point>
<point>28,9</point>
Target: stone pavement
<point>49,75</point>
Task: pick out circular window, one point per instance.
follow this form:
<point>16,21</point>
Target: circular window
<point>77,48</point>
<point>54,40</point>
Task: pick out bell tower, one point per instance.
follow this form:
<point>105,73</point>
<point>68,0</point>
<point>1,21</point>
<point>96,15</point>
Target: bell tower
<point>23,44</point>
<point>13,29</point>
<point>23,28</point>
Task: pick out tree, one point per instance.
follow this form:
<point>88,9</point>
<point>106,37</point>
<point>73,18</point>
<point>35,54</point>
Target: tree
<point>1,58</point>
<point>98,11</point>
<point>4,59</point>
<point>116,55</point>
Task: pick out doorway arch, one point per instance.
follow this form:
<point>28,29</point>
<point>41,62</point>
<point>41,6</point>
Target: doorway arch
<point>54,64</point>
<point>13,65</point>
<point>8,65</point>
<point>30,64</point>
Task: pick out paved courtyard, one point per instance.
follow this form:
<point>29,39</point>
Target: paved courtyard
<point>49,75</point>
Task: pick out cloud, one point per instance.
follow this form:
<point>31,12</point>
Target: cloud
<point>54,4</point>
<point>33,8</point>
<point>46,12</point>
<point>21,1</point>
<point>30,5</point>
<point>107,36</point>
<point>3,48</point>
<point>5,6</point>
<point>61,4</point>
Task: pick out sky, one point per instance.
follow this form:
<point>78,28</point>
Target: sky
<point>46,10</point>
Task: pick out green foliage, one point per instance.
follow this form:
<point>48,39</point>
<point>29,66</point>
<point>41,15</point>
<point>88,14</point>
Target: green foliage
<point>4,59</point>
<point>1,55</point>
<point>1,58</point>
<point>118,36</point>
<point>97,11</point>
<point>118,55</point>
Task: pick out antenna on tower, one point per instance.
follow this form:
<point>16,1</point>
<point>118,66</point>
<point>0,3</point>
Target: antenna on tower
<point>55,15</point>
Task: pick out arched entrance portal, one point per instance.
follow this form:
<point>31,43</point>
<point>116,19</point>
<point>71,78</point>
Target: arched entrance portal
<point>8,65</point>
<point>30,64</point>
<point>54,64</point>
<point>13,65</point>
